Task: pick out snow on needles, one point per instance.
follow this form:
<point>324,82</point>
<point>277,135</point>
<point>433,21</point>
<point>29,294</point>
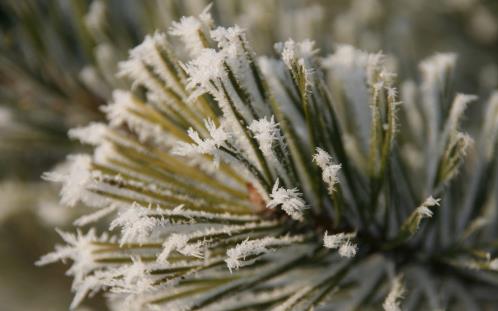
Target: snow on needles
<point>290,200</point>
<point>191,30</point>
<point>341,241</point>
<point>266,132</point>
<point>245,253</point>
<point>329,170</point>
<point>74,179</point>
<point>207,146</point>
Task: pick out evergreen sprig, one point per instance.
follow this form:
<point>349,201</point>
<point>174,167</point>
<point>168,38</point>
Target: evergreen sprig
<point>287,183</point>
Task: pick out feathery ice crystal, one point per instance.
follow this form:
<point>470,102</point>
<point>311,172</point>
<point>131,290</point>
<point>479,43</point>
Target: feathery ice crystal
<point>243,183</point>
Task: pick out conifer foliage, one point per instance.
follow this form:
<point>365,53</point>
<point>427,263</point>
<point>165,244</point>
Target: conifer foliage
<point>229,181</point>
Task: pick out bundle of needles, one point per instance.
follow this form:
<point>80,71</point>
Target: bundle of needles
<point>227,181</point>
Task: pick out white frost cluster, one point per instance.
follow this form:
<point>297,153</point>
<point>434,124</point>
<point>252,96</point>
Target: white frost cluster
<point>150,52</point>
<point>130,279</point>
<point>124,108</point>
<point>92,134</point>
<point>79,249</point>
<point>192,29</point>
<point>136,68</point>
<point>236,257</point>
<point>296,52</point>
<point>118,110</point>
<point>341,241</point>
<point>179,243</point>
<point>207,146</point>
<point>329,170</point>
<point>74,178</point>
<point>226,36</point>
<point>204,72</point>
<point>290,200</point>
<point>135,278</point>
<point>136,224</point>
<point>232,43</point>
<point>424,209</point>
<point>266,133</point>
<point>392,302</point>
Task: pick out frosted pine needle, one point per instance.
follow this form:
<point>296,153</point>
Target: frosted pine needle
<point>392,302</point>
<point>222,174</point>
<point>136,224</point>
<point>424,209</point>
<point>179,243</point>
<point>208,146</point>
<point>348,249</point>
<point>192,31</point>
<point>74,177</point>
<point>266,132</point>
<point>289,200</point>
<point>342,242</point>
<point>246,252</point>
<point>329,170</point>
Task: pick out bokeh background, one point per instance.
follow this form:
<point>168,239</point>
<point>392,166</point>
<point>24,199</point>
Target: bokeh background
<point>57,66</point>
